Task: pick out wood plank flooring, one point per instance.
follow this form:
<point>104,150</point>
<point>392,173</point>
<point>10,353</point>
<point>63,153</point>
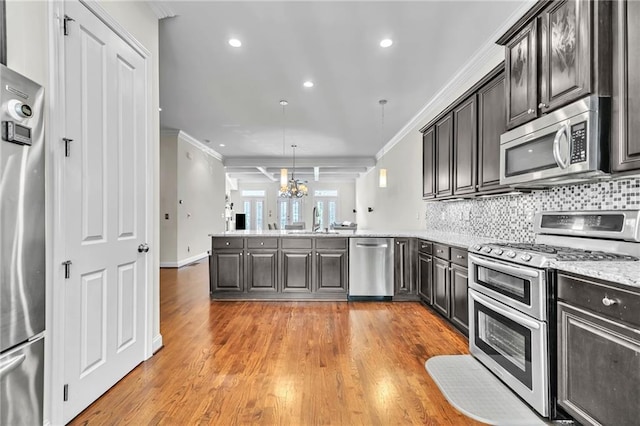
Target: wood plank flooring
<point>286,363</point>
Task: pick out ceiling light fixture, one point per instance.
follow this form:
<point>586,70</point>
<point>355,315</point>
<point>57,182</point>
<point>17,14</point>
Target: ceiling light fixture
<point>234,42</point>
<point>294,188</point>
<point>223,145</point>
<point>308,84</point>
<point>386,42</point>
<point>283,171</point>
<point>382,178</point>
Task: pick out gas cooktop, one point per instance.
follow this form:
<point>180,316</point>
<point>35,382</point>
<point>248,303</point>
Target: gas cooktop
<point>541,254</point>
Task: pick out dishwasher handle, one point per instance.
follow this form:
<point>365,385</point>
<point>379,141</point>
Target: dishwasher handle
<point>365,245</point>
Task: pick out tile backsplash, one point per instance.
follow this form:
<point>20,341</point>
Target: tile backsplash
<point>510,217</point>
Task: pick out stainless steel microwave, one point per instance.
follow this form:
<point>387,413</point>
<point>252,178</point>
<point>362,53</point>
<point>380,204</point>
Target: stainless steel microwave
<point>568,145</point>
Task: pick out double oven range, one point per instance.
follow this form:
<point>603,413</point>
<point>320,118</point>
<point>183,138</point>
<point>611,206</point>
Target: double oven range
<point>512,295</point>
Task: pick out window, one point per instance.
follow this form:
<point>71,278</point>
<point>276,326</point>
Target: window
<point>254,209</point>
<point>326,206</point>
<point>290,210</point>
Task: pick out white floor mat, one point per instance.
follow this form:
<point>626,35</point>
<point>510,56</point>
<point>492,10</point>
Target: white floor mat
<point>477,393</point>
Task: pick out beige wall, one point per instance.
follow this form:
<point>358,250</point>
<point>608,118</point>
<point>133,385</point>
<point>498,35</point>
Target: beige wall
<point>346,200</point>
<point>192,193</point>
<point>168,198</point>
<point>400,205</point>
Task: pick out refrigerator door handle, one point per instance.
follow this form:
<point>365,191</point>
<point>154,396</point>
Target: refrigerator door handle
<point>11,364</point>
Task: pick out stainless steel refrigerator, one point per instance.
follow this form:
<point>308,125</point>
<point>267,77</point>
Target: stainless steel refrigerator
<point>22,250</point>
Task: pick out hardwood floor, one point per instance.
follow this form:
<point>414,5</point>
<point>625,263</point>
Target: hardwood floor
<point>297,363</point>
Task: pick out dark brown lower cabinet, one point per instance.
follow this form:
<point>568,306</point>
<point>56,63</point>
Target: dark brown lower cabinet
<point>227,271</point>
<point>262,270</point>
<point>296,271</point>
<point>441,286</point>
<point>404,269</point>
<point>598,352</point>
<point>331,271</point>
<point>425,277</point>
<point>459,293</point>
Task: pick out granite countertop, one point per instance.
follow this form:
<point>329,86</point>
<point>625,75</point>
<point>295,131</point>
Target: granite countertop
<point>626,273</point>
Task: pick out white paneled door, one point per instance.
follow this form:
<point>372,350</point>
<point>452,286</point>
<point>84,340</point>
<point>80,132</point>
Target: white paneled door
<point>105,209</point>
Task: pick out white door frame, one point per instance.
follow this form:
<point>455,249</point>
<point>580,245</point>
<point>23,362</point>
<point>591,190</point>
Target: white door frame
<point>56,250</point>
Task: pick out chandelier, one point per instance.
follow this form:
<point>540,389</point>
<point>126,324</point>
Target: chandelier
<point>293,188</point>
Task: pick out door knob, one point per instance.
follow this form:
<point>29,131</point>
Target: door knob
<point>143,248</point>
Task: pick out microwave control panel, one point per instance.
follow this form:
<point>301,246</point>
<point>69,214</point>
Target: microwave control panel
<point>579,143</point>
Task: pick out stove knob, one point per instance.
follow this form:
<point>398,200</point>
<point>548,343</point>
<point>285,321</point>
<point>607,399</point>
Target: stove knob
<point>511,254</point>
<point>486,249</point>
<point>526,257</point>
<point>497,251</point>
<point>477,247</point>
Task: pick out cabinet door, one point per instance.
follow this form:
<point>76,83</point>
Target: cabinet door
<point>492,122</point>
<point>262,270</point>
<point>425,277</point>
<point>441,286</point>
<point>402,267</point>
<point>227,270</point>
<point>464,147</point>
<point>522,87</point>
<point>595,354</point>
<point>565,47</point>
<point>459,295</point>
<point>625,138</point>
<point>296,271</point>
<point>331,271</point>
<point>444,136</point>
<point>428,164</point>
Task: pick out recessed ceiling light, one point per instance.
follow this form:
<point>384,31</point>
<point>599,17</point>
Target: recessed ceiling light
<point>283,102</point>
<point>386,42</point>
<point>222,144</point>
<point>234,42</point>
<point>308,84</point>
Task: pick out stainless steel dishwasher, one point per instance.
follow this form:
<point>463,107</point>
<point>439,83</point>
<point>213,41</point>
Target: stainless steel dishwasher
<point>370,268</point>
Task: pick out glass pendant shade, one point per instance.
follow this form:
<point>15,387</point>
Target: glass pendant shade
<point>382,181</point>
<point>283,177</point>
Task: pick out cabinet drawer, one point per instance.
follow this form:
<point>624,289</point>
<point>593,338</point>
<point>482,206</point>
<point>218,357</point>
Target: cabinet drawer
<point>425,247</point>
<point>441,251</point>
<point>253,243</point>
<point>296,243</point>
<point>227,243</point>
<point>459,256</point>
<point>604,299</point>
<point>331,243</point>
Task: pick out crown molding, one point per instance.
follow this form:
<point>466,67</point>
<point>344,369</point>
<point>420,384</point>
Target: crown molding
<point>161,9</point>
<point>484,60</point>
<point>180,134</point>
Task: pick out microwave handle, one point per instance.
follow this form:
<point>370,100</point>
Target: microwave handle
<point>556,146</point>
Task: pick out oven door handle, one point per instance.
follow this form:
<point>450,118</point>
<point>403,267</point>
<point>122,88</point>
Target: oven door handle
<point>515,318</point>
<point>514,270</point>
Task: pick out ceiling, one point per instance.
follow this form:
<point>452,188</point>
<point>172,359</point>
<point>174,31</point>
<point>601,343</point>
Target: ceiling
<point>219,94</point>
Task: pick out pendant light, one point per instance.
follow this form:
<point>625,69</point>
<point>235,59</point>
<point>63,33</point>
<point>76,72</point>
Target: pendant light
<point>283,171</point>
<point>382,177</point>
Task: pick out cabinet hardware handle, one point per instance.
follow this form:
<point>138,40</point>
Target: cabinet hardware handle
<point>459,257</point>
<point>241,254</point>
<point>424,246</point>
<point>262,243</point>
<point>227,243</point>
<point>608,302</point>
<point>438,251</point>
<point>531,111</point>
<point>543,105</point>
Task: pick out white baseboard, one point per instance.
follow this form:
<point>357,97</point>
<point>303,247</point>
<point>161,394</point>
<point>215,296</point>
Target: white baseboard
<point>183,262</point>
<point>156,344</point>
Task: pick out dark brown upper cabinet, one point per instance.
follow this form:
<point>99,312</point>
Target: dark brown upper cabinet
<point>625,135</point>
<point>521,66</point>
<point>558,52</point>
<point>428,163</point>
<point>444,150</point>
<point>565,47</point>
<point>464,147</point>
<point>492,122</point>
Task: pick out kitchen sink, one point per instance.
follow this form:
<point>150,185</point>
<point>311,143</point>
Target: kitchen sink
<point>305,232</point>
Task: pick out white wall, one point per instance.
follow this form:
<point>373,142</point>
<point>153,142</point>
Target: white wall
<point>193,195</point>
<point>346,200</point>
